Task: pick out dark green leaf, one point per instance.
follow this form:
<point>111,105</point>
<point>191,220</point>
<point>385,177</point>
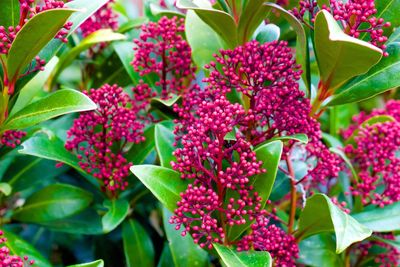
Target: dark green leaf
<point>184,251</point>
<point>139,152</point>
<point>56,104</point>
<point>232,258</point>
<point>117,211</point>
<point>9,13</point>
<point>321,215</point>
<point>166,258</point>
<point>33,37</point>
<point>164,138</point>
<point>165,184</point>
<point>53,202</point>
<point>20,247</point>
<point>384,219</point>
<point>340,57</point>
<point>98,263</point>
<point>382,77</point>
<point>138,248</point>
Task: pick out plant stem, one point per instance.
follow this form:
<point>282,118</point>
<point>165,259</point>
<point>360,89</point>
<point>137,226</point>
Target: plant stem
<point>293,194</point>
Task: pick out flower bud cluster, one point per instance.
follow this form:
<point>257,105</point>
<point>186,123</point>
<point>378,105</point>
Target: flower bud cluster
<point>7,260</point>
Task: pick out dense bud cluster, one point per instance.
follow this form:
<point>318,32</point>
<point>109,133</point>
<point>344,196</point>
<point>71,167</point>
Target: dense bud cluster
<point>269,237</point>
<point>162,51</point>
<point>104,18</point>
<point>375,155</point>
<point>28,9</point>
<point>267,76</point>
<point>355,16</point>
<point>101,136</point>
<point>11,138</point>
<point>7,260</point>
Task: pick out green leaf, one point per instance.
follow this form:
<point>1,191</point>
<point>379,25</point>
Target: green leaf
<point>33,37</point>
<point>100,36</point>
<point>166,102</point>
<point>319,250</point>
<point>302,138</point>
<point>20,247</point>
<point>132,24</point>
<point>166,257</point>
<point>139,152</point>
<point>382,77</point>
<point>5,189</point>
<point>270,155</point>
<point>34,87</point>
<point>98,263</point>
<point>321,215</point>
<point>138,248</point>
<point>202,39</point>
<point>384,219</point>
<point>117,211</point>
<point>254,13</point>
<point>232,258</point>
<point>53,202</point>
<point>9,13</point>
<point>341,154</point>
<point>394,37</point>
<point>268,33</point>
<point>340,57</point>
<point>164,138</point>
<point>165,184</point>
<point>125,52</point>
<point>183,250</point>
<point>159,12</point>
<point>56,104</point>
<point>221,22</point>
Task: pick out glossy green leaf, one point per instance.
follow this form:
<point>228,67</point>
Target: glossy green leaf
<point>5,189</point>
<point>302,55</point>
<point>319,250</point>
<point>100,36</point>
<point>138,248</point>
<point>164,138</point>
<point>202,39</point>
<point>125,52</point>
<point>56,104</point>
<point>183,250</point>
<point>117,211</point>
<point>34,87</point>
<point>9,13</point>
<point>321,215</point>
<point>165,184</point>
<point>139,152</point>
<point>221,22</point>
<point>382,77</point>
<point>98,263</point>
<point>33,37</point>
<point>232,258</point>
<point>166,102</point>
<point>340,57</point>
<point>268,33</point>
<point>254,13</point>
<point>20,247</point>
<point>384,219</point>
<point>132,24</point>
<point>270,155</point>
<point>53,202</point>
<point>302,138</point>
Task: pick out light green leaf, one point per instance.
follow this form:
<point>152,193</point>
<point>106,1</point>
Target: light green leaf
<point>233,258</point>
<point>394,37</point>
<point>138,248</point>
<point>382,77</point>
<point>340,57</point>
<point>20,247</point>
<point>98,263</point>
<point>33,37</point>
<point>53,202</point>
<point>164,138</point>
<point>56,104</point>
<point>183,250</point>
<point>268,33</point>
<point>100,36</point>
<point>384,219</point>
<point>321,215</point>
<point>202,39</point>
<point>221,22</point>
<point>117,211</point>
<point>5,189</point>
<point>132,24</point>
<point>165,184</point>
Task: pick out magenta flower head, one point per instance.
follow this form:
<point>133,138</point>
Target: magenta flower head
<point>267,76</point>
<point>355,16</point>
<point>375,154</point>
<point>104,18</point>
<point>162,51</point>
<point>7,260</point>
<point>218,168</point>
<point>269,237</point>
<point>11,138</point>
<point>101,137</point>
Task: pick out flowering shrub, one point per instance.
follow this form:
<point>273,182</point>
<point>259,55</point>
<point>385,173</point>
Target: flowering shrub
<point>207,133</point>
